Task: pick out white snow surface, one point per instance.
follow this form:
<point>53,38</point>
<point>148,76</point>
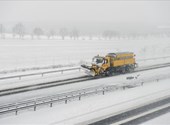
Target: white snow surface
<point>16,54</point>
<point>161,120</point>
<point>36,79</point>
<point>91,107</point>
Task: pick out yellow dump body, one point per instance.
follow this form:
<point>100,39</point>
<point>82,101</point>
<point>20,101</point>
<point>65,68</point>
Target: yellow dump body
<point>121,59</point>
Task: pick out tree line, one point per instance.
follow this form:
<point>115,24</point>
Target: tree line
<point>19,30</point>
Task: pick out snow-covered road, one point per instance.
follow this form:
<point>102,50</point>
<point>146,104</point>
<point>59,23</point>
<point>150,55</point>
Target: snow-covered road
<point>61,89</point>
<point>78,111</point>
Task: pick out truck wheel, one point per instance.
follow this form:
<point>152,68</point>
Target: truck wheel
<point>124,70</point>
<point>108,72</point>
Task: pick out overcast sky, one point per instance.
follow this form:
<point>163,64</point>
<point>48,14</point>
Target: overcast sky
<point>85,13</point>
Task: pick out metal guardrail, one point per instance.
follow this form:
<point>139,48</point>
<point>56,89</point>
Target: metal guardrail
<point>65,97</point>
<point>40,73</point>
<point>63,70</point>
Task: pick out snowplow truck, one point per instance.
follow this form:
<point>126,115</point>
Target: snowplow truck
<point>112,63</point>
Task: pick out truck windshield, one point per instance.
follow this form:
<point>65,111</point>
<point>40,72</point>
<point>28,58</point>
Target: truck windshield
<point>98,60</point>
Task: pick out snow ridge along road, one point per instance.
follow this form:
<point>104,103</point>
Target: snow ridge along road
<point>39,73</point>
<point>137,112</point>
<point>67,81</point>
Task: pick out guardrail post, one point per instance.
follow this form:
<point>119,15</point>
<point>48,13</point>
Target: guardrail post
<point>66,100</point>
<point>34,106</point>
<point>123,87</point>
<point>61,71</point>
<point>157,80</point>
<point>79,96</point>
<point>79,69</point>
<point>42,74</point>
<point>103,91</point>
<point>16,112</point>
<point>51,104</point>
<point>19,77</point>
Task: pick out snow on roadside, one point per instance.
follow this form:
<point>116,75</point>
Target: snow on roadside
<point>27,72</point>
<point>37,79</point>
<point>36,69</point>
<point>161,120</point>
<point>18,54</point>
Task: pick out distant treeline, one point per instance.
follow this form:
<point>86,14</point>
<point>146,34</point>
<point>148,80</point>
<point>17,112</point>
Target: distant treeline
<point>19,31</point>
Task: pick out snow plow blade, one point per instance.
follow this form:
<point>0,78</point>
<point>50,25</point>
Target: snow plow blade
<point>88,70</point>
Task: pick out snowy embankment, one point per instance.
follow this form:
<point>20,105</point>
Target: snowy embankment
<point>94,106</point>
<point>25,55</point>
<point>162,120</point>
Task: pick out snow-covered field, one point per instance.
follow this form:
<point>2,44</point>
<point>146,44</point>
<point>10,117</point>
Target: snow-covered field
<point>16,54</point>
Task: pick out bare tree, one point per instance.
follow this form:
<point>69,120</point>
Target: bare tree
<point>63,32</point>
<point>38,32</point>
<point>19,29</point>
<point>2,31</point>
<point>51,34</point>
<point>109,34</point>
<point>74,34</point>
